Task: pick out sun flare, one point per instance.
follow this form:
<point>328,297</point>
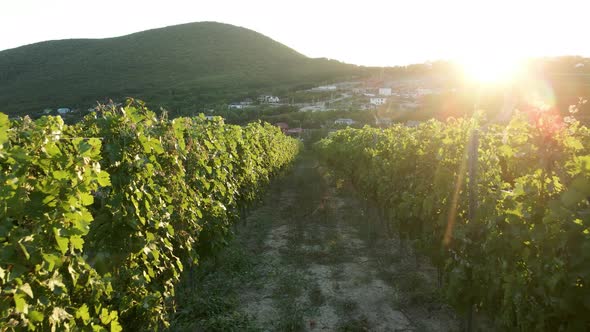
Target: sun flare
<point>491,69</point>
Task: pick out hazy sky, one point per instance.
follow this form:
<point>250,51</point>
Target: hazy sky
<point>368,32</point>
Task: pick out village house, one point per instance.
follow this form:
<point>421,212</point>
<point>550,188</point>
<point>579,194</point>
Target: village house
<point>423,92</point>
<point>283,125</point>
<point>383,121</point>
<point>63,110</point>
<point>236,106</point>
<point>294,131</point>
<point>385,91</point>
<point>325,88</point>
<point>312,108</point>
<point>269,99</point>
<point>347,122</point>
<point>368,107</point>
<point>378,100</point>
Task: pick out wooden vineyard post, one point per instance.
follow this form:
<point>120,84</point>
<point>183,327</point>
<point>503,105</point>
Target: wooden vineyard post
<point>472,189</point>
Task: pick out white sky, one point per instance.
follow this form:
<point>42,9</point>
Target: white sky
<point>368,32</point>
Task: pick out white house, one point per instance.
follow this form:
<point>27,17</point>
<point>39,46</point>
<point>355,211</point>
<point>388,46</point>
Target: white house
<point>325,88</point>
<point>347,122</point>
<point>47,111</point>
<point>383,121</point>
<point>236,106</point>
<point>378,100</point>
<point>269,99</point>
<point>579,65</point>
<point>63,110</point>
<point>312,108</point>
<point>367,107</point>
<point>385,91</point>
<point>423,91</point>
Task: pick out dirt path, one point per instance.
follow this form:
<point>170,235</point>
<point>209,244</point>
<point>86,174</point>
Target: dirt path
<point>317,262</point>
<point>328,270</point>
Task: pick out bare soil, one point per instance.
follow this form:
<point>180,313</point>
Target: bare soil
<point>324,264</point>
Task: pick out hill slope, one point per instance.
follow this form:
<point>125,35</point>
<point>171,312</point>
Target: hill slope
<point>179,67</point>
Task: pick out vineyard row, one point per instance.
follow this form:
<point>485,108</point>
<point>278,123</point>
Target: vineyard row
<point>99,219</point>
<point>502,211</point>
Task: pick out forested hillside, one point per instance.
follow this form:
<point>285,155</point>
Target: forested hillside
<point>180,67</point>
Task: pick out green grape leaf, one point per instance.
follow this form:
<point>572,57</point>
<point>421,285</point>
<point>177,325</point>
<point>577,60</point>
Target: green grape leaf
<point>62,242</point>
<point>83,314</point>
<point>104,179</point>
<point>20,304</point>
<point>36,316</point>
<point>52,260</point>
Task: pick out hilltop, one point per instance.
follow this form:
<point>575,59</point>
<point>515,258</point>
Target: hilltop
<point>179,67</point>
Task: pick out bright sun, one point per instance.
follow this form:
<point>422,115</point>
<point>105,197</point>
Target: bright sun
<point>491,69</point>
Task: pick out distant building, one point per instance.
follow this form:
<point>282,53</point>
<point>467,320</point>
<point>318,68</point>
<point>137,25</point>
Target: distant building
<point>325,88</point>
<point>63,110</point>
<point>283,125</point>
<point>385,91</point>
<point>247,102</point>
<point>236,106</point>
<point>378,101</point>
<point>47,111</point>
<point>269,99</point>
<point>347,122</point>
<point>294,131</point>
<point>423,92</point>
<point>579,65</point>
<point>312,108</point>
<point>383,121</point>
<point>368,107</point>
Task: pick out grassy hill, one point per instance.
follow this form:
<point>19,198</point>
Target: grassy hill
<point>180,67</point>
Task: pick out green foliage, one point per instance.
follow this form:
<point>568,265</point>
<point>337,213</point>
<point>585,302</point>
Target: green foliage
<point>524,258</point>
<point>98,220</point>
